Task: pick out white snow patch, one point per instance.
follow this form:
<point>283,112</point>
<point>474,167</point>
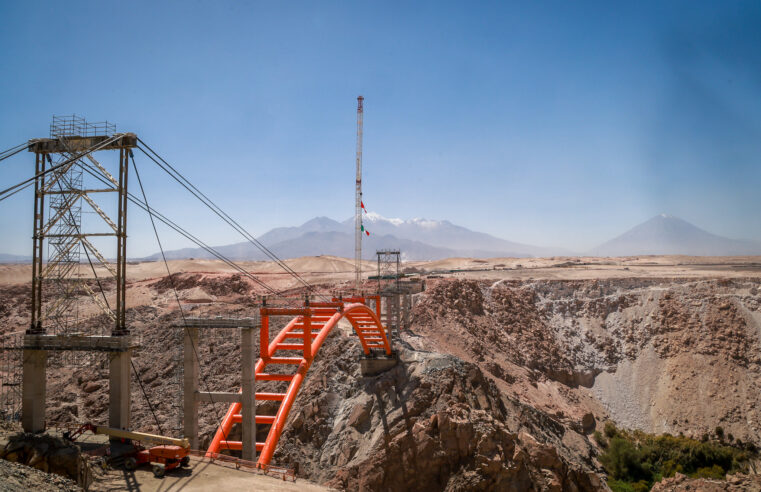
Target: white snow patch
<point>428,224</point>
<point>375,217</point>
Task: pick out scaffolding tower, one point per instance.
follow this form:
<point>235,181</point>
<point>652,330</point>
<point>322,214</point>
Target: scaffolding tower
<point>73,308</point>
<point>73,259</point>
<point>389,269</point>
<point>389,265</point>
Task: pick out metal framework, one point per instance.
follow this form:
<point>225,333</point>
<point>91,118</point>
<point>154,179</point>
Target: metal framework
<point>59,197</point>
<point>389,269</point>
<point>10,376</point>
<point>304,334</point>
<point>60,194</point>
<point>358,201</point>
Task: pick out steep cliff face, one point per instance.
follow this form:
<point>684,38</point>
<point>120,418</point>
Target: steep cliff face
<point>648,353</point>
<point>500,386</point>
<point>432,423</point>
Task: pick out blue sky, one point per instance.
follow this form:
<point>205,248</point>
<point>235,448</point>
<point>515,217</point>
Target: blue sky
<point>549,123</point>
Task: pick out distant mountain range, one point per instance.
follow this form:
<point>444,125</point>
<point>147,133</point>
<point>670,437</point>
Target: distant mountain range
<point>668,235</point>
<point>423,239</point>
<point>417,239</point>
<point>6,258</point>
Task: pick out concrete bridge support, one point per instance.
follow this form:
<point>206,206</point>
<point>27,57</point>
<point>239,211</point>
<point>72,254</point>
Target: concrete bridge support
<point>34,382</point>
<point>34,385</point>
<point>190,387</point>
<point>249,329</point>
<point>119,395</point>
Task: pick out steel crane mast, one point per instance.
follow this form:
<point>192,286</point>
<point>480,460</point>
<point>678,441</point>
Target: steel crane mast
<point>358,201</point>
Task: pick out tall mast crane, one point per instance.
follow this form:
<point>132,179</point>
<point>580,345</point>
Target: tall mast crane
<point>358,205</point>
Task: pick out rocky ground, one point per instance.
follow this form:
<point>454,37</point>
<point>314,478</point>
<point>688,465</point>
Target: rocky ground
<point>681,483</point>
<point>641,352</point>
<point>504,374</point>
<point>15,477</point>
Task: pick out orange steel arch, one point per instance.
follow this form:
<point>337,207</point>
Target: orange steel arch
<point>310,327</point>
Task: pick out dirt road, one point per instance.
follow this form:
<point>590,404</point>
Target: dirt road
<point>200,476</point>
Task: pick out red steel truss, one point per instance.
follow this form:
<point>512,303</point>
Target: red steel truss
<point>304,335</point>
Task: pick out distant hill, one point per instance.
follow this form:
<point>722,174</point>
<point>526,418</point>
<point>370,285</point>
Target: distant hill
<point>668,235</point>
<point>423,239</point>
<point>318,224</point>
<point>444,234</point>
<point>342,244</point>
<point>6,258</point>
<point>417,239</point>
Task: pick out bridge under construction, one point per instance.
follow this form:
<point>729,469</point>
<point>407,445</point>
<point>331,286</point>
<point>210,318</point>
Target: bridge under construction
<point>71,311</point>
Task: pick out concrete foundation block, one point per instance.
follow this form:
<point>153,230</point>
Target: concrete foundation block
<point>119,389</point>
<point>33,390</point>
<point>372,366</point>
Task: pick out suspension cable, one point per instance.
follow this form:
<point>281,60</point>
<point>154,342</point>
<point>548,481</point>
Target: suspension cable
<point>13,151</point>
<point>59,166</point>
<point>105,299</point>
<point>219,212</point>
<point>177,176</point>
<point>142,388</point>
<point>174,289</point>
<point>24,184</point>
<point>177,228</point>
<point>18,190</point>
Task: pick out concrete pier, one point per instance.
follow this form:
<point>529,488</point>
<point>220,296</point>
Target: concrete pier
<point>190,387</point>
<point>119,389</point>
<point>248,392</point>
<point>33,390</point>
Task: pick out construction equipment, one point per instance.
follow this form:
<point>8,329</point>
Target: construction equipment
<point>167,454</point>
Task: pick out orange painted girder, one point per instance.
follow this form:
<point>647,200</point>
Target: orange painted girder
<point>368,327</point>
<point>238,445</point>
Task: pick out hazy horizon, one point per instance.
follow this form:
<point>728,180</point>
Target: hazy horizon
<point>553,125</point>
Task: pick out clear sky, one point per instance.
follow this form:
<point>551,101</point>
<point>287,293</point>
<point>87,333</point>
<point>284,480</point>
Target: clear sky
<point>549,123</point>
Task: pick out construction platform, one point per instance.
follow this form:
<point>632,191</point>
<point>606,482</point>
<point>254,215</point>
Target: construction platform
<point>95,343</point>
<point>81,144</point>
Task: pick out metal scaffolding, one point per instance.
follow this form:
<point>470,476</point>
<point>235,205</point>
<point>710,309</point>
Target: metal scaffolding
<point>72,303</point>
<point>63,198</point>
<point>389,269</point>
<point>10,376</point>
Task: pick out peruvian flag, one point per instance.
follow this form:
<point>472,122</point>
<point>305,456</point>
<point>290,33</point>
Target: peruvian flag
<point>363,207</point>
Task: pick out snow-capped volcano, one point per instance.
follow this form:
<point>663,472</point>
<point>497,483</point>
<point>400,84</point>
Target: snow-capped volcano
<point>417,238</point>
<point>443,234</point>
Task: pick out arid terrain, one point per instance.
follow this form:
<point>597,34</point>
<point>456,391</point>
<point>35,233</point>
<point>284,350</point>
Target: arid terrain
<point>508,368</point>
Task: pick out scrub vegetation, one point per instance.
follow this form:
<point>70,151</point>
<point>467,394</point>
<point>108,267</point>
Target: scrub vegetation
<point>636,460</point>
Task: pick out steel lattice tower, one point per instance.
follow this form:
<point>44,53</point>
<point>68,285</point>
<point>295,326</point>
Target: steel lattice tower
<point>358,200</point>
<point>69,151</point>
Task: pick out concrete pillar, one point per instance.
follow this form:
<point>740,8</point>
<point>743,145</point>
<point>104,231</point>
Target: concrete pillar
<point>119,389</point>
<point>389,318</point>
<point>248,393</point>
<point>405,323</point>
<point>404,312</point>
<point>190,387</point>
<point>396,313</point>
<point>33,390</point>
